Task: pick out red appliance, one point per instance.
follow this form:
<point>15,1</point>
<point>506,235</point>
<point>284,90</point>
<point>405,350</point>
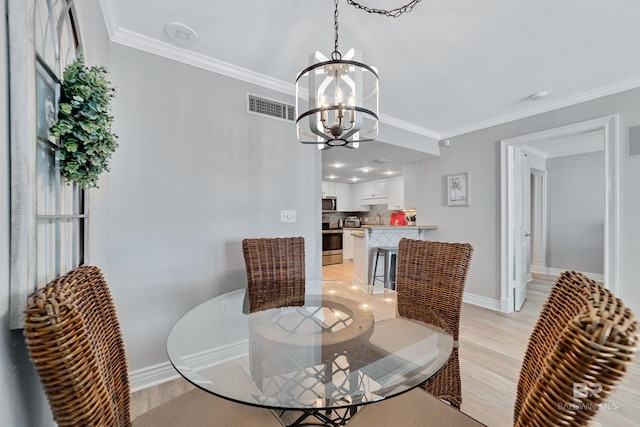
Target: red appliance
<point>397,218</point>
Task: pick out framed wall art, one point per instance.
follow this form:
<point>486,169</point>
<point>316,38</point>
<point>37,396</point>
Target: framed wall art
<point>458,189</point>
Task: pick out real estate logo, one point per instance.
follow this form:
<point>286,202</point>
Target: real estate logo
<point>584,391</point>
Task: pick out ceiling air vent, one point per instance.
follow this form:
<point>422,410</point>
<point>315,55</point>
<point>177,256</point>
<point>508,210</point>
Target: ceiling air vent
<point>270,108</point>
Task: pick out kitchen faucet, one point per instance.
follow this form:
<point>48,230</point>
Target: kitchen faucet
<point>379,219</point>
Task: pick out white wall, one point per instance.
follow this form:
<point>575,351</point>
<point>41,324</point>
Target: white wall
<point>478,153</point>
<point>576,207</point>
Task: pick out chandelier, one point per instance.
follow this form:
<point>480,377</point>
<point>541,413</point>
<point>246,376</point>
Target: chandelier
<point>337,97</point>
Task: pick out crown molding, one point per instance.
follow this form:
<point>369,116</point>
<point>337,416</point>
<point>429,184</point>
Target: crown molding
<point>166,50</point>
<point>110,17</point>
<point>569,101</point>
<point>409,127</point>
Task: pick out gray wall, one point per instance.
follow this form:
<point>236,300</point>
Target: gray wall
<point>193,176</point>
<point>576,203</point>
<point>479,224</point>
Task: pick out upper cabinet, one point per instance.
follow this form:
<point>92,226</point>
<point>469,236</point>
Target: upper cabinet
<point>343,196</point>
<point>328,189</point>
<point>372,191</point>
<point>395,193</point>
<point>357,204</point>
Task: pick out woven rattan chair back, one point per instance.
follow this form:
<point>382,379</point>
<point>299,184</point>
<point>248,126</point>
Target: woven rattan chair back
<point>73,337</point>
<point>431,278</point>
<point>581,346</point>
<point>275,272</point>
<point>430,281</point>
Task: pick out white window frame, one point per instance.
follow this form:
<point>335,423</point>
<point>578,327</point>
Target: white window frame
<point>43,35</point>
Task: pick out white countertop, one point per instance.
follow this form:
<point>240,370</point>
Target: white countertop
<point>400,227</point>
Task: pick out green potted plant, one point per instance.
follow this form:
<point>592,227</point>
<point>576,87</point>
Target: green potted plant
<point>84,124</point>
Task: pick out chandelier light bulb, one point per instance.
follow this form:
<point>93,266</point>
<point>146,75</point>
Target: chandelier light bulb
<point>339,96</point>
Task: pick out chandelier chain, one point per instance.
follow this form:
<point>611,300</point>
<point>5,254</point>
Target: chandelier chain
<point>336,55</point>
<point>393,13</point>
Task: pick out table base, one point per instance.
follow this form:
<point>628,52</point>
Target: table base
<point>318,417</point>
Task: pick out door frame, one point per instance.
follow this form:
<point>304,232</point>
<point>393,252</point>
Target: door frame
<point>509,211</point>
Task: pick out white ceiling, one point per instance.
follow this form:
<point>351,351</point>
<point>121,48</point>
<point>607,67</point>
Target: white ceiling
<point>446,68</point>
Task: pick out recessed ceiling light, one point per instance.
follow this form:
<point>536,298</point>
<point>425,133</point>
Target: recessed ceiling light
<point>331,177</point>
<point>365,169</point>
<point>354,179</point>
<point>539,95</point>
<point>389,172</point>
<point>181,34</point>
<point>337,165</point>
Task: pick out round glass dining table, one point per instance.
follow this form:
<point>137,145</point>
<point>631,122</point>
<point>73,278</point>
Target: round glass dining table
<point>321,354</point>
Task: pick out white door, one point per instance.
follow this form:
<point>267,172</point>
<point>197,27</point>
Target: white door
<point>522,231</point>
<point>538,222</point>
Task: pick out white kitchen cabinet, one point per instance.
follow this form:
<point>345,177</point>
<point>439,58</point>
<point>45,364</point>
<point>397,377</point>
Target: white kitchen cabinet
<point>374,191</point>
<point>356,199</point>
<point>360,253</point>
<point>347,245</point>
<point>343,196</point>
<point>395,193</point>
<point>328,189</point>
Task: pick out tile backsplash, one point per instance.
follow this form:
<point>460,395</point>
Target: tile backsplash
<point>365,217</point>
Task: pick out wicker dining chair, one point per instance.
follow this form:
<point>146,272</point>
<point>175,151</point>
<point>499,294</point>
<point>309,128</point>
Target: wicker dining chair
<point>579,350</point>
<point>430,280</point>
<point>275,272</point>
<point>581,347</point>
<point>74,340</point>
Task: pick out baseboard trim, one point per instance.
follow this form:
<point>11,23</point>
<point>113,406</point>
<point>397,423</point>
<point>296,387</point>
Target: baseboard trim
<point>151,376</point>
<point>558,271</point>
<point>481,301</point>
<point>164,372</point>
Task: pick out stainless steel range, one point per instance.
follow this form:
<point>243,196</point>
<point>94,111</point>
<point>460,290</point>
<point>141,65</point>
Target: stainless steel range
<point>331,244</point>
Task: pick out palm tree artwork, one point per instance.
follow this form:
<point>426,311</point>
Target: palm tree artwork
<point>458,189</point>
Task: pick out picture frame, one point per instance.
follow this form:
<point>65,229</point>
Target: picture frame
<point>458,193</point>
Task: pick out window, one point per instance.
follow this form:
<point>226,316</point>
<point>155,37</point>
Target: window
<point>49,217</point>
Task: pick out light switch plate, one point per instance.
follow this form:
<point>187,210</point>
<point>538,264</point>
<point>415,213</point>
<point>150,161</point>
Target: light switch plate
<point>287,216</point>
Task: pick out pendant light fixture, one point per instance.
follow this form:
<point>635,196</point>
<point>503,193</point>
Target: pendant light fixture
<point>337,97</point>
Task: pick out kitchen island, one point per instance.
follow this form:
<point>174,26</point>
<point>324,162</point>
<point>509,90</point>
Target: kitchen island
<point>374,236</point>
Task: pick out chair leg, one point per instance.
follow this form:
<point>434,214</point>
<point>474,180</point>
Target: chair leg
<point>447,385</point>
<point>372,281</point>
<point>390,271</point>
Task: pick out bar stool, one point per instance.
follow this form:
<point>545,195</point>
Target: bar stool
<point>390,255</point>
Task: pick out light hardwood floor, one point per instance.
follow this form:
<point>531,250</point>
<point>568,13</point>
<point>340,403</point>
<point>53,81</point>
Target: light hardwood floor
<point>492,346</point>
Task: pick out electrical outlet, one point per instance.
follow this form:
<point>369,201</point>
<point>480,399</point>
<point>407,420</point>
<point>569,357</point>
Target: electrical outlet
<point>225,307</point>
<point>287,216</point>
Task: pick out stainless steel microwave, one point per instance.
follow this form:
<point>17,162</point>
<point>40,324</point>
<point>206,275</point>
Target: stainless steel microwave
<point>329,204</point>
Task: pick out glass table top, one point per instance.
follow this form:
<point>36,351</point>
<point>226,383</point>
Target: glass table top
<point>338,345</point>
